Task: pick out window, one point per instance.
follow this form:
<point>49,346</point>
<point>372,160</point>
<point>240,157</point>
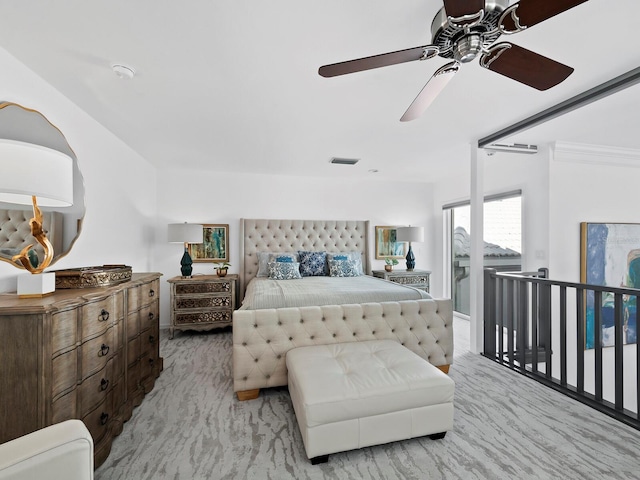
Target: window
<point>502,241</point>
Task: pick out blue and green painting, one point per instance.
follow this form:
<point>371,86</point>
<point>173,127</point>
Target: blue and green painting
<point>612,259</point>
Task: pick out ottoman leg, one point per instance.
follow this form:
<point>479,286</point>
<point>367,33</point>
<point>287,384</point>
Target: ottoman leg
<point>320,459</point>
<point>437,436</point>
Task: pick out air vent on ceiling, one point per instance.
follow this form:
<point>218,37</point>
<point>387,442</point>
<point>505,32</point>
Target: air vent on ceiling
<point>344,161</point>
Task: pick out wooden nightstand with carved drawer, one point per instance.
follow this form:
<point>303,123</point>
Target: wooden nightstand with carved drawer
<point>412,278</point>
<point>202,302</point>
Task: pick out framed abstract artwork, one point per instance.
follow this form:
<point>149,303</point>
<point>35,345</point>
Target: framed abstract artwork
<point>214,246</point>
<point>610,256</point>
<point>386,244</point>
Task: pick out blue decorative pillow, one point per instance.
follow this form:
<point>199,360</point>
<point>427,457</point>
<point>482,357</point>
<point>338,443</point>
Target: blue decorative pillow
<point>284,270</point>
<point>355,257</point>
<point>343,268</point>
<point>313,264</point>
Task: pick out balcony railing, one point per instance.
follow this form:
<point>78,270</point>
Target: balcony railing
<point>552,331</point>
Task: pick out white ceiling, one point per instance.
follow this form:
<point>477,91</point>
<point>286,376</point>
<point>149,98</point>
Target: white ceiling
<point>233,85</point>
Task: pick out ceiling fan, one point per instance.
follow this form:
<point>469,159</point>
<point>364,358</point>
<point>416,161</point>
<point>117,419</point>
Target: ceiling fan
<point>465,29</point>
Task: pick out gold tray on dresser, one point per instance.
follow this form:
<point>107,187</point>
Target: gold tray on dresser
<point>87,277</point>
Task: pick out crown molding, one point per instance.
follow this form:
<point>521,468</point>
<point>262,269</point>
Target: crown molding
<point>595,154</point>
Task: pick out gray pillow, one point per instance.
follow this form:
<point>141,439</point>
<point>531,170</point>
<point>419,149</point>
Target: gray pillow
<point>355,257</point>
<point>264,258</point>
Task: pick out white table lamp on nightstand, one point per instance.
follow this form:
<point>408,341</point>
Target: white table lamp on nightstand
<point>30,172</point>
<point>410,234</point>
<point>185,233</point>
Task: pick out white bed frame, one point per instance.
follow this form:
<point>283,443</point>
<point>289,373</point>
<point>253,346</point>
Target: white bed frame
<point>261,338</point>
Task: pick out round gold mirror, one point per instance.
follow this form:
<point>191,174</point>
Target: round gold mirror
<point>62,225</point>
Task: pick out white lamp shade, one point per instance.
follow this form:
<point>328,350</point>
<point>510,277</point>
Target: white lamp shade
<point>410,234</point>
<point>27,169</point>
<point>185,233</point>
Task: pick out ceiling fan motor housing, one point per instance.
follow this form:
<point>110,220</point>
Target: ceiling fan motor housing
<point>467,48</point>
<point>465,45</point>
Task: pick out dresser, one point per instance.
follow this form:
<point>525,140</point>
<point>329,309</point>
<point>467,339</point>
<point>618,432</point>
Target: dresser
<point>202,302</point>
<point>414,278</point>
<point>90,354</point>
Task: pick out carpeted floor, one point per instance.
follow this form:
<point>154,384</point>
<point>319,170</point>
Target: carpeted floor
<point>506,426</point>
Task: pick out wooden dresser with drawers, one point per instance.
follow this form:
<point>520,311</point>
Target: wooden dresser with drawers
<point>90,354</point>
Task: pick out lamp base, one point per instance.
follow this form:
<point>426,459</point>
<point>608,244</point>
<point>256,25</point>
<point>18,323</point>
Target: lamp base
<point>186,263</point>
<point>411,260</point>
<point>32,285</point>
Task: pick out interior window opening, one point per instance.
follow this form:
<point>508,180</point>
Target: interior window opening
<point>502,243</point>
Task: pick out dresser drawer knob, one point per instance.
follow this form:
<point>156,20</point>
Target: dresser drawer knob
<point>151,316</point>
<point>152,339</point>
<point>104,316</point>
<point>104,384</point>
<point>151,362</point>
<point>152,293</point>
<point>104,350</point>
<point>104,418</point>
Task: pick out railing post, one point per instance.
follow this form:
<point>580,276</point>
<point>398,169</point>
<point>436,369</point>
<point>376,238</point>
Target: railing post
<point>490,299</point>
<point>618,350</point>
<point>522,325</point>
<point>544,319</point>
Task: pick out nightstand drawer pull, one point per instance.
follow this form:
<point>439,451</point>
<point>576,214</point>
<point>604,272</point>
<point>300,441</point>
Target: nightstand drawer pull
<point>104,350</point>
<point>152,339</point>
<point>104,418</point>
<point>151,316</point>
<point>104,384</point>
<point>152,293</point>
<point>104,316</point>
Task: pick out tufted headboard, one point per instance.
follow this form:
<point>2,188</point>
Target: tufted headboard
<point>292,235</point>
<point>15,231</point>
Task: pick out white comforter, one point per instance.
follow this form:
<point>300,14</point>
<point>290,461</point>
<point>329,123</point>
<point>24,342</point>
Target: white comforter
<point>308,291</point>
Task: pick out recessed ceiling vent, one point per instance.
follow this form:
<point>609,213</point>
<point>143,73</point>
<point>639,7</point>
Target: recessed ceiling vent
<point>344,161</point>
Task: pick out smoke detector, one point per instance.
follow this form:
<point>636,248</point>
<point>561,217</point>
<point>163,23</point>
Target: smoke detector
<point>123,72</point>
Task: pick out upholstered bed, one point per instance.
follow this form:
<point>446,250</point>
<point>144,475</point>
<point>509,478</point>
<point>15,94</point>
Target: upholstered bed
<point>264,331</point>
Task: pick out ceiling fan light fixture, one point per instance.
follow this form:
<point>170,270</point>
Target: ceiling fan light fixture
<point>123,72</point>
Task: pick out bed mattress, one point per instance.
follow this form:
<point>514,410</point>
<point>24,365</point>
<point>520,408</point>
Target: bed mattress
<point>264,293</point>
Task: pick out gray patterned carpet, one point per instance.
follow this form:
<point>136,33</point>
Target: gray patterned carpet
<point>506,427</point>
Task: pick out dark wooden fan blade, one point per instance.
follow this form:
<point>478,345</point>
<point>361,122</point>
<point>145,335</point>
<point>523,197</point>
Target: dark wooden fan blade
<point>376,61</point>
<point>460,8</point>
<point>532,12</point>
<point>525,66</point>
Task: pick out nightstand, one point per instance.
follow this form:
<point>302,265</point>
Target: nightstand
<point>202,302</point>
<point>415,278</point>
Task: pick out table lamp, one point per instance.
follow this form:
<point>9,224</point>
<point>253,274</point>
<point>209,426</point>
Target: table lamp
<point>185,233</point>
<point>410,234</point>
<point>42,177</point>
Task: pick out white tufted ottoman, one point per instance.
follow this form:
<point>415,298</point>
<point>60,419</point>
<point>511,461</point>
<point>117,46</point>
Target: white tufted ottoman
<point>353,395</point>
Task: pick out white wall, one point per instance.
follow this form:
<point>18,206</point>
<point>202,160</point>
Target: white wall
<point>588,184</point>
<point>591,184</point>
<point>207,197</point>
<point>120,186</point>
